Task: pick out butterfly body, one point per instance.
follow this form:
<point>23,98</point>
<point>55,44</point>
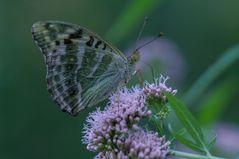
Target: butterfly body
<point>82,68</point>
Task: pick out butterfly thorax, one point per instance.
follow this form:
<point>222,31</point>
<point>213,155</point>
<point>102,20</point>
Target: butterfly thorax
<point>134,58</point>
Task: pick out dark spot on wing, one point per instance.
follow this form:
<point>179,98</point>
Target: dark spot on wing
<point>67,41</point>
<point>47,25</point>
<point>77,34</point>
<point>104,47</point>
<point>90,42</point>
<point>57,42</point>
<point>98,43</point>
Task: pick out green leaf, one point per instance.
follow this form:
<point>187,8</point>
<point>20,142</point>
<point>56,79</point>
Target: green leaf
<point>212,142</point>
<point>180,137</point>
<point>223,63</point>
<point>157,123</point>
<point>216,101</point>
<point>188,121</point>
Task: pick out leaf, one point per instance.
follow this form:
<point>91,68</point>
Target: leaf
<point>223,63</point>
<point>212,142</point>
<point>188,121</point>
<point>157,123</point>
<point>218,98</point>
<point>179,136</point>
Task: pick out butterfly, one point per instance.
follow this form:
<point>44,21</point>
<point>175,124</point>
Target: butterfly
<point>82,68</point>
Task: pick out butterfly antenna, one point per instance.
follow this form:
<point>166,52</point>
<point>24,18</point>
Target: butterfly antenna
<point>141,31</point>
<point>153,39</point>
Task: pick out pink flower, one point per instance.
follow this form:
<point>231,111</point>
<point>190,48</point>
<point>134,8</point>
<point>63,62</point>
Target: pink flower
<point>115,132</point>
<point>142,144</point>
<point>138,144</point>
<point>125,110</point>
<point>158,88</point>
<point>111,155</point>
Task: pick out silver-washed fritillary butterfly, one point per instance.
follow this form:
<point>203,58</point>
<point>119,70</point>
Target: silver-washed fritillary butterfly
<point>82,68</point>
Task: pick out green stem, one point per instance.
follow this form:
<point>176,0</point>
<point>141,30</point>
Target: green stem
<point>191,156</point>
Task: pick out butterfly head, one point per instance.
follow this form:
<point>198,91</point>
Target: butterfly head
<point>135,57</point>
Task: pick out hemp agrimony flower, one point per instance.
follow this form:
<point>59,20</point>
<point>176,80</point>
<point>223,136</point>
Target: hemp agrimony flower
<point>115,131</point>
<point>125,110</point>
<point>158,88</point>
<point>155,96</point>
<point>144,144</point>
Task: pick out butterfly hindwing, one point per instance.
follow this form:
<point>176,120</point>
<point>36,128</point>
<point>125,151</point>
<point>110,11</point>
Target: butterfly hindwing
<point>82,69</point>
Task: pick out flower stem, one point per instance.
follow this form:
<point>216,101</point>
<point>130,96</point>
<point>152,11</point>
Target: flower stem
<point>191,156</point>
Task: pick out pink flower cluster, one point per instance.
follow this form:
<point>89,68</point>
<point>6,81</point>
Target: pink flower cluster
<point>125,110</point>
<point>138,144</point>
<point>114,132</point>
<point>158,88</point>
<point>145,145</point>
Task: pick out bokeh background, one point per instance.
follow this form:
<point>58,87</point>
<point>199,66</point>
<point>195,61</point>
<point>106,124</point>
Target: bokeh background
<point>198,34</point>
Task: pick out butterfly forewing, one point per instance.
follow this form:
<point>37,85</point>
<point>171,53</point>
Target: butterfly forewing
<point>82,69</point>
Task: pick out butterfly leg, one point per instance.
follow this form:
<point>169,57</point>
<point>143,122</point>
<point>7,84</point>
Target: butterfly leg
<point>139,76</point>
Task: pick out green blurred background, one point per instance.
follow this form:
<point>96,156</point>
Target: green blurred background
<point>31,125</point>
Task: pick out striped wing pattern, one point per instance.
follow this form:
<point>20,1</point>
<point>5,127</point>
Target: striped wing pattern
<point>82,69</point>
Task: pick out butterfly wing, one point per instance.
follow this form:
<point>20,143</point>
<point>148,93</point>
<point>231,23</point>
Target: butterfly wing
<point>82,69</point>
